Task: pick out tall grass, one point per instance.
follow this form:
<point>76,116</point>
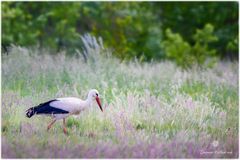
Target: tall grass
<point>151,110</point>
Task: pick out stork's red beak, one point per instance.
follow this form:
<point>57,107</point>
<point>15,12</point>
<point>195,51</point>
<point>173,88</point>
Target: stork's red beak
<point>99,103</point>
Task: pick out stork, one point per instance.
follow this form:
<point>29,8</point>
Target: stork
<point>61,108</point>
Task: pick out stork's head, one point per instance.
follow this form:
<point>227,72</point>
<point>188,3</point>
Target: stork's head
<point>94,95</point>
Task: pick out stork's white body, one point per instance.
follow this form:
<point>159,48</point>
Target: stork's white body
<point>72,105</point>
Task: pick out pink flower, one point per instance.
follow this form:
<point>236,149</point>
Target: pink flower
<point>189,103</point>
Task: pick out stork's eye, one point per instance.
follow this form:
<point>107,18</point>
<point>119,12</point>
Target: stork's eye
<point>96,94</point>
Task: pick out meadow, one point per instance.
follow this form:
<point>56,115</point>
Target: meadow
<point>151,110</point>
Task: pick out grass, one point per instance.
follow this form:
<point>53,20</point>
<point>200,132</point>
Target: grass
<point>151,110</point>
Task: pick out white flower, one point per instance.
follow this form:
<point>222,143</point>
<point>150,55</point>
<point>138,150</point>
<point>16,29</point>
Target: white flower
<point>215,143</point>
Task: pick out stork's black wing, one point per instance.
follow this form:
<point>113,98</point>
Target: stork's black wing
<point>44,108</point>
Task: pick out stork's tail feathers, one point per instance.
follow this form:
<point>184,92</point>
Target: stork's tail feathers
<point>30,112</point>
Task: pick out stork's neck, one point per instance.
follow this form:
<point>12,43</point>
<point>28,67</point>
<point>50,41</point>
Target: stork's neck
<point>89,101</point>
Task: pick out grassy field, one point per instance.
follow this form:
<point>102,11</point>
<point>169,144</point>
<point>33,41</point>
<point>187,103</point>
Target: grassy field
<point>151,110</point>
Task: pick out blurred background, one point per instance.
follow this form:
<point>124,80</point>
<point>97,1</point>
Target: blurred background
<point>179,31</point>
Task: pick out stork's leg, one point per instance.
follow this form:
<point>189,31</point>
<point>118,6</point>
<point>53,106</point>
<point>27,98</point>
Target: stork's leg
<point>64,127</point>
<point>50,125</point>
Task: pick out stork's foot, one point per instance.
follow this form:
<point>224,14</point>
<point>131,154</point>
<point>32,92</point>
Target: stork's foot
<point>65,131</point>
<point>50,125</point>
<point>64,127</point>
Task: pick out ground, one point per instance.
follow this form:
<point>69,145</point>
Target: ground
<point>151,110</point>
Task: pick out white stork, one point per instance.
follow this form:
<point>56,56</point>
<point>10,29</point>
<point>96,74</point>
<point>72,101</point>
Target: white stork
<point>61,108</point>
